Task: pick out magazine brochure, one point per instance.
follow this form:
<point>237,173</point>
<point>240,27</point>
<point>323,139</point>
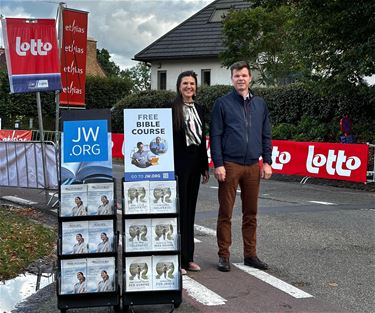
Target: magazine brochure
<point>138,275</point>
<point>164,234</point>
<point>73,200</point>
<point>136,197</point>
<point>75,238</point>
<point>73,276</point>
<point>101,274</point>
<point>138,235</point>
<point>100,199</point>
<point>148,153</point>
<point>163,196</point>
<point>165,274</point>
<point>100,236</point>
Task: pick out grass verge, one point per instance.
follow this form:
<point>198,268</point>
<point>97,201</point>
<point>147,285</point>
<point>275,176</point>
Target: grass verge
<point>22,240</point>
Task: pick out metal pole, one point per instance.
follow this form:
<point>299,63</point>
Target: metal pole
<point>57,95</point>
<point>41,131</point>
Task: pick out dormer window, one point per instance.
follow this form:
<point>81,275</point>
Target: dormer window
<point>219,15</point>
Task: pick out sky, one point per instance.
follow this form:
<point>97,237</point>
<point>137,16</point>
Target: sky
<point>123,27</point>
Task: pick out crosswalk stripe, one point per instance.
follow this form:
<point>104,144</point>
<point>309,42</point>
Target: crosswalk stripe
<point>323,202</point>
<point>201,293</point>
<point>197,240</point>
<point>273,281</point>
<point>205,230</point>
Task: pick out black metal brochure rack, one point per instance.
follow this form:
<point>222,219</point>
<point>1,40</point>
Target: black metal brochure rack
<point>151,244</point>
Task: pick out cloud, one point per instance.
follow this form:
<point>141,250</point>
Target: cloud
<point>123,27</point>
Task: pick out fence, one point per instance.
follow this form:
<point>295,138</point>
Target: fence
<point>22,164</point>
<point>48,136</point>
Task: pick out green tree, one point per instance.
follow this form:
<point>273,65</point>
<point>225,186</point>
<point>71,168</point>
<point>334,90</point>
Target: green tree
<point>330,43</point>
<point>140,75</point>
<point>109,67</point>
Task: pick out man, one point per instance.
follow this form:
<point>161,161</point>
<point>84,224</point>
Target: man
<point>240,134</point>
<point>141,157</point>
<point>157,146</point>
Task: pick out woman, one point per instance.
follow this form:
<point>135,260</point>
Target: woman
<point>80,286</point>
<point>79,209</point>
<point>105,284</point>
<point>104,245</point>
<point>105,207</point>
<point>190,159</point>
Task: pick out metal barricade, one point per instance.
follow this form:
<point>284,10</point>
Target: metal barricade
<point>22,164</point>
<point>49,135</point>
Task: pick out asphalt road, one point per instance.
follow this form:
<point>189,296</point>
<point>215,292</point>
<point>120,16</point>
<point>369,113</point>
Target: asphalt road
<point>325,249</point>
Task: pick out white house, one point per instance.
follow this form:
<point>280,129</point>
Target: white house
<point>195,45</point>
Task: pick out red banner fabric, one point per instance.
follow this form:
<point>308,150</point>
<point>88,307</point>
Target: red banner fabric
<point>314,159</point>
<point>117,145</point>
<point>32,54</point>
<point>317,159</point>
<point>73,58</point>
<point>15,135</point>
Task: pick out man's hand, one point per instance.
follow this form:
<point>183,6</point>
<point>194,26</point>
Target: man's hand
<point>266,171</point>
<point>220,173</point>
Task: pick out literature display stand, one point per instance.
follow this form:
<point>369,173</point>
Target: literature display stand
<point>151,243</point>
<point>87,247</point>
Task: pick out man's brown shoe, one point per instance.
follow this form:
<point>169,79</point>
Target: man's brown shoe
<point>223,265</point>
<point>253,261</point>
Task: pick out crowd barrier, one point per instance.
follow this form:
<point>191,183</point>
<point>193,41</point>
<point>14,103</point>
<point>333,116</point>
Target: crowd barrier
<point>22,164</point>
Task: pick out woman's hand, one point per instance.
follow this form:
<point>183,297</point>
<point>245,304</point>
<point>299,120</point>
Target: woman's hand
<point>205,177</point>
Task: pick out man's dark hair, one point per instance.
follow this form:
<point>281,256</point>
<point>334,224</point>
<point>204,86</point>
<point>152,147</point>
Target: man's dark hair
<point>139,144</point>
<point>239,66</point>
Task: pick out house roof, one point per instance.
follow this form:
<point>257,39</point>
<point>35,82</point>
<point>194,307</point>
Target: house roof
<point>196,37</point>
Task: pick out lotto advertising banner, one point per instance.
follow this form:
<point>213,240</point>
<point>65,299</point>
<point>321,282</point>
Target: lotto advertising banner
<point>15,135</point>
<point>148,144</point>
<point>32,54</point>
<point>324,160</point>
<point>73,58</point>
<point>86,146</point>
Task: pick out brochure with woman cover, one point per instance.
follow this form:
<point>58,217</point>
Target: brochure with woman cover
<point>163,196</point>
<point>75,239</point>
<point>164,234</point>
<point>138,235</point>
<point>138,275</point>
<point>73,276</point>
<point>100,199</point>
<point>165,272</point>
<point>100,236</point>
<point>101,274</point>
<point>136,197</point>
<point>73,200</point>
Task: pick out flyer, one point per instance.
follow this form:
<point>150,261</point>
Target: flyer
<point>101,274</point>
<point>165,275</point>
<point>136,197</point>
<point>138,235</point>
<point>138,275</point>
<point>164,234</point>
<point>73,276</point>
<point>75,237</point>
<point>100,199</point>
<point>100,236</point>
<point>73,200</point>
<point>162,196</point>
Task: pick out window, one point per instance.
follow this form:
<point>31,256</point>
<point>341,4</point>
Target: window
<point>219,15</point>
<point>206,78</point>
<point>162,80</point>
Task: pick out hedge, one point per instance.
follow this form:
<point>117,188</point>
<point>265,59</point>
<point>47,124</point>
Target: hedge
<point>296,113</point>
<point>100,93</point>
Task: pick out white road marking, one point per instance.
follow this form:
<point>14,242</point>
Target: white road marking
<point>18,200</point>
<point>119,212</point>
<point>323,202</point>
<point>205,230</point>
<point>200,293</point>
<point>214,187</point>
<point>197,240</point>
<point>273,281</point>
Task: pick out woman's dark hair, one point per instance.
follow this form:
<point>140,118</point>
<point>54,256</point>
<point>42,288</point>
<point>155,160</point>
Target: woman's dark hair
<point>178,102</point>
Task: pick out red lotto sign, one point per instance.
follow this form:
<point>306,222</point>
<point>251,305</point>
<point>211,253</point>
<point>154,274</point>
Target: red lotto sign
<point>318,159</point>
<point>73,58</point>
<point>32,54</point>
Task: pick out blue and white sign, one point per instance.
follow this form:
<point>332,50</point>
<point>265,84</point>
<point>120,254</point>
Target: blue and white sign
<point>85,141</point>
<point>148,143</point>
